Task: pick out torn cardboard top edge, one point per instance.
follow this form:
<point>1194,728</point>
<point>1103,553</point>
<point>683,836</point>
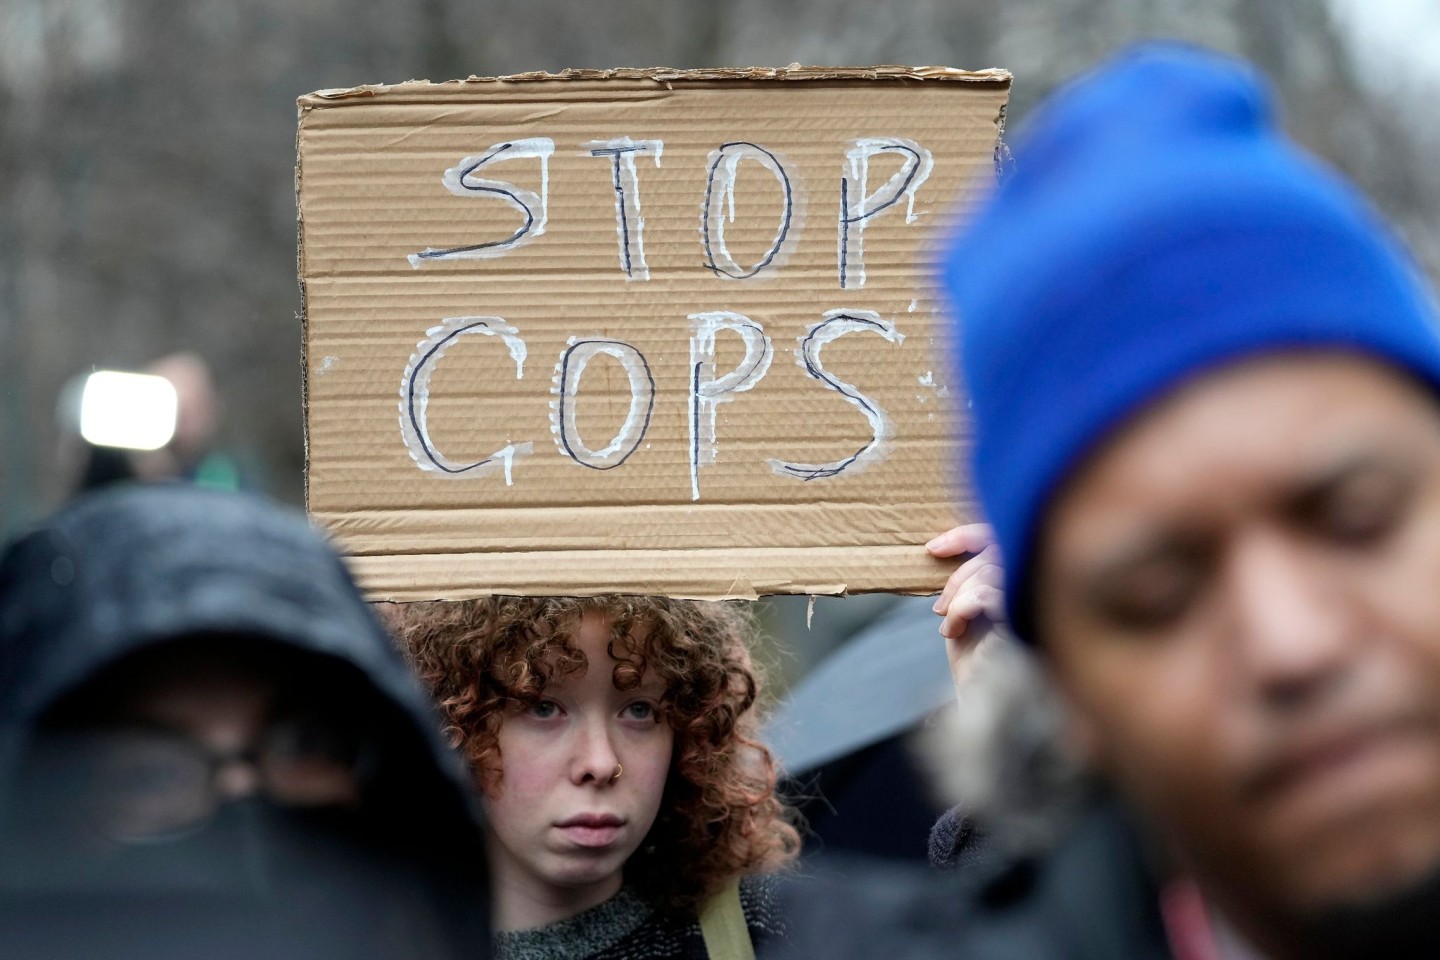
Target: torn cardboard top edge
<point>736,594</point>
<point>993,75</point>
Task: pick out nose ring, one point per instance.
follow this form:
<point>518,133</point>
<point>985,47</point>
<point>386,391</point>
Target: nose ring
<point>619,769</point>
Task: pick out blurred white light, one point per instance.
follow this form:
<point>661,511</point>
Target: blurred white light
<point>131,410</point>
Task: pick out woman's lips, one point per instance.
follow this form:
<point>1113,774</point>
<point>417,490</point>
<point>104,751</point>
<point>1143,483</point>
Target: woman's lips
<point>591,829</point>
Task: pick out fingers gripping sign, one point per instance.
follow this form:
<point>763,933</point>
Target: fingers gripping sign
<point>973,600</point>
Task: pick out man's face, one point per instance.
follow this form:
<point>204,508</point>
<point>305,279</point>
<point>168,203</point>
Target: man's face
<point>1240,594</point>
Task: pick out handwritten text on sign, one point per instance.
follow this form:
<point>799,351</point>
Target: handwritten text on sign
<point>856,204</point>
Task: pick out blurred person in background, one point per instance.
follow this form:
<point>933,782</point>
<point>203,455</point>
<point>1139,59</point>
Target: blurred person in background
<point>146,441</point>
<point>210,748</point>
<point>191,453</point>
<point>1036,859</point>
<point>631,810</point>
<point>1207,435</point>
<point>848,736</point>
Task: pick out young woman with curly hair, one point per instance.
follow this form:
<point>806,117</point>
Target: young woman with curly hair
<point>614,741</point>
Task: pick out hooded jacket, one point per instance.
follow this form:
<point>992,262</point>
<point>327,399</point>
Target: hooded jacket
<point>127,570</point>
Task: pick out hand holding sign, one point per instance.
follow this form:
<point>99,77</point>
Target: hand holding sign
<point>974,597</point>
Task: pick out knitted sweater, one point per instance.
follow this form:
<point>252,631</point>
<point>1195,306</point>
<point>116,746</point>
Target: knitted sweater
<point>625,927</point>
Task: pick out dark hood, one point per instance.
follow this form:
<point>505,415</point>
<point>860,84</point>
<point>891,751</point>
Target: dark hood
<point>127,569</point>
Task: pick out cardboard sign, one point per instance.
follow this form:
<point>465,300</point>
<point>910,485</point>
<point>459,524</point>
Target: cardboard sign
<point>636,331</point>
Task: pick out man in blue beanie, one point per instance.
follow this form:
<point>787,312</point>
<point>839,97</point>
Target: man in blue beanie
<point>1206,433</point>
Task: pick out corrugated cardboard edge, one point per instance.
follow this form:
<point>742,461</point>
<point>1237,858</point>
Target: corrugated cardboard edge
<point>727,573</point>
<point>304,315</point>
<point>1004,159</point>
<point>661,75</point>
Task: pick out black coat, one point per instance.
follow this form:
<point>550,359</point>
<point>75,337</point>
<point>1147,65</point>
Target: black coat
<point>1092,897</point>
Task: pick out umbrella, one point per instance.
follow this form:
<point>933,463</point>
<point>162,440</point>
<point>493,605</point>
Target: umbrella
<point>887,678</point>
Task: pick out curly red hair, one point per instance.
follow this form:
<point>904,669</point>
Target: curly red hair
<point>720,815</point>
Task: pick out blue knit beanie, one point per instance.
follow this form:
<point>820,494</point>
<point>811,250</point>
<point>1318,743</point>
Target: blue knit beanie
<point>1156,225</point>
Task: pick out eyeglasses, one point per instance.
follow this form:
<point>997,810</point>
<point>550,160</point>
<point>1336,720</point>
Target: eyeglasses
<point>150,786</point>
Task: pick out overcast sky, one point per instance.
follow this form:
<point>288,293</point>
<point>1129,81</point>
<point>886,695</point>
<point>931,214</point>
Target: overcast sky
<point>1393,40</point>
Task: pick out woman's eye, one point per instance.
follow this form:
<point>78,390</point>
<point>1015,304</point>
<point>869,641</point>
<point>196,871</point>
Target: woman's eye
<point>544,710</point>
<point>640,710</point>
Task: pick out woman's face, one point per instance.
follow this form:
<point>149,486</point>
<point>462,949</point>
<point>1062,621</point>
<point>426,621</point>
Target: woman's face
<point>583,774</point>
